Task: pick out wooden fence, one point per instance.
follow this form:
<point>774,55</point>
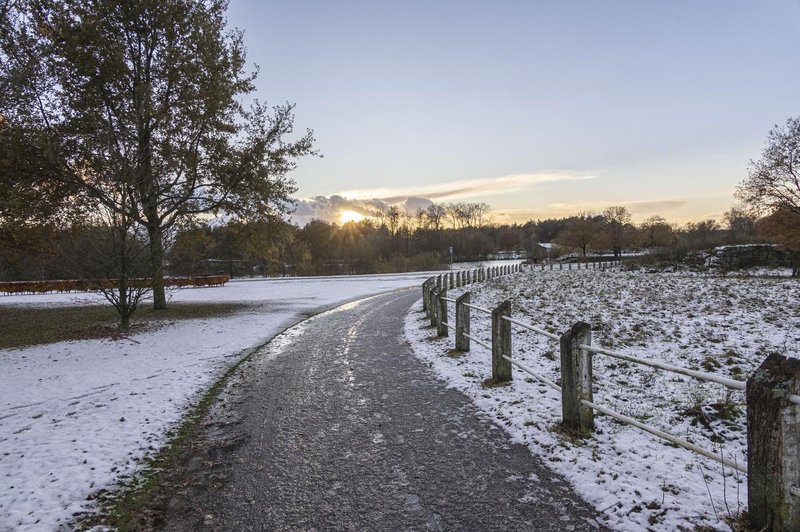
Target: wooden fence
<point>83,285</point>
<point>772,393</point>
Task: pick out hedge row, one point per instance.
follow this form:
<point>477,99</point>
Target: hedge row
<point>74,285</point>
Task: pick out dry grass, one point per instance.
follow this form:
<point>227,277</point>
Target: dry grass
<point>22,326</point>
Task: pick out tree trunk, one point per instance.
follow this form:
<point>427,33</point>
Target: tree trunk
<point>124,304</point>
<point>157,266</point>
<point>124,318</point>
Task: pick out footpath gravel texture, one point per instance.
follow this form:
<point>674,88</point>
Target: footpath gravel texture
<point>335,425</point>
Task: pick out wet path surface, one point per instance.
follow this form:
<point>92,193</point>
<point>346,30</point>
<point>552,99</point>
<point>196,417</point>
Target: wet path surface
<point>337,426</point>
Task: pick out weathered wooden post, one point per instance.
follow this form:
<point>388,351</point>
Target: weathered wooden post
<point>439,282</point>
<point>441,318</point>
<point>426,287</point>
<point>433,304</point>
<point>773,445</point>
<point>501,342</point>
<point>576,378</point>
<point>450,282</point>
<point>462,322</point>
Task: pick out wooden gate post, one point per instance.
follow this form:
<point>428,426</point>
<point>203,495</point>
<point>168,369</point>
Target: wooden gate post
<point>426,287</point>
<point>433,301</point>
<point>773,445</point>
<point>576,378</point>
<point>462,322</point>
<point>441,319</point>
<point>501,342</point>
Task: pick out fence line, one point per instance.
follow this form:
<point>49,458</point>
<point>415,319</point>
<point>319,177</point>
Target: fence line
<point>773,434</point>
<point>730,383</point>
<point>481,309</point>
<point>666,436</point>
<point>532,328</point>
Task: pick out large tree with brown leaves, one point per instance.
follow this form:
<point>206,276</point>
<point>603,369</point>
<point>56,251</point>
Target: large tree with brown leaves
<point>144,100</point>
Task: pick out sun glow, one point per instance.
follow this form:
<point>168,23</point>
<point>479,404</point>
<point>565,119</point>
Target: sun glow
<point>350,216</point>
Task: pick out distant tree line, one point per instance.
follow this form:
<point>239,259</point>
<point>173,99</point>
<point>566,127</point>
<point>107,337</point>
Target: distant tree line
<point>394,242</point>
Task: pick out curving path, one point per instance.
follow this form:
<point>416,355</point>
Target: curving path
<point>335,425</point>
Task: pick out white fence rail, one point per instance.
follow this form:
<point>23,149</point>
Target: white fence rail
<point>773,394</point>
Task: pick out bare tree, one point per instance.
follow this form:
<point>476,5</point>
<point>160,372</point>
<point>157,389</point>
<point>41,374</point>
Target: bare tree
<point>111,254</point>
<point>393,215</point>
<point>435,215</point>
<point>617,217</point>
<point>741,225</point>
<point>657,232</point>
<point>580,232</point>
<point>774,180</point>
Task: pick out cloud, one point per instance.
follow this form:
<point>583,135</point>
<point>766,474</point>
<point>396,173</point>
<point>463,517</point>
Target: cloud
<point>329,208</point>
<point>373,202</point>
<point>466,188</point>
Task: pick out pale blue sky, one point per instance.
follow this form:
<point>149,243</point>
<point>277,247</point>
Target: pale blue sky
<point>654,105</point>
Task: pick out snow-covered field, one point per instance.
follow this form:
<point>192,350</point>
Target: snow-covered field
<point>726,326</point>
<point>79,416</point>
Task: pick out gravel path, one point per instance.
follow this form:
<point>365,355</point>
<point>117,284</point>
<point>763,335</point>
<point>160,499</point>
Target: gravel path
<point>335,425</point>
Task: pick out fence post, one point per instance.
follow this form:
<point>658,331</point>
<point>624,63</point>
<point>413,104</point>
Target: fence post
<point>576,378</point>
<point>773,445</point>
<point>501,342</point>
<point>441,319</point>
<point>433,304</point>
<point>462,322</point>
<point>426,287</point>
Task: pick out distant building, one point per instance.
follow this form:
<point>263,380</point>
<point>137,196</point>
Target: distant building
<point>547,250</point>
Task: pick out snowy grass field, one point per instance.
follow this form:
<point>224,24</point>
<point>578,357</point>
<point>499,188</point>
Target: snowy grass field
<point>80,416</point>
<point>722,325</point>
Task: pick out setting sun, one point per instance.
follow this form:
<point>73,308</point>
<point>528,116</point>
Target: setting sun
<point>350,216</point>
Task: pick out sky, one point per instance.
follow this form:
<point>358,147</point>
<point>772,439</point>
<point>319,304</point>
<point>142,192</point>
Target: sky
<point>540,109</point>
